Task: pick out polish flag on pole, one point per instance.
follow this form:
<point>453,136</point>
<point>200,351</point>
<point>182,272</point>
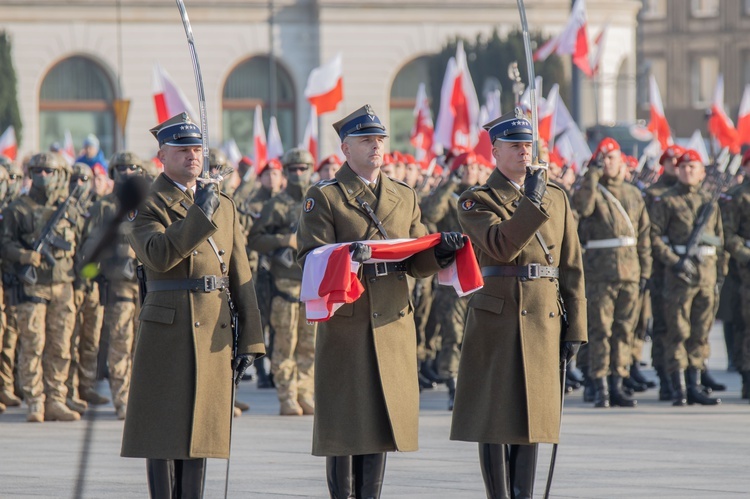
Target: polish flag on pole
<point>658,126</point>
<point>570,143</point>
<point>596,54</point>
<point>572,40</point>
<point>275,148</point>
<point>423,131</point>
<point>743,120</point>
<point>8,144</point>
<point>68,150</point>
<point>259,139</point>
<point>719,124</point>
<point>325,86</point>
<point>311,134</point>
<point>456,127</point>
<point>168,98</point>
<point>546,113</point>
<point>697,144</point>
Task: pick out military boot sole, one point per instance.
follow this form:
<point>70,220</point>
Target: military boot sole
<point>94,398</point>
<point>700,399</point>
<point>2,408</point>
<point>64,417</point>
<point>9,399</point>
<point>35,417</point>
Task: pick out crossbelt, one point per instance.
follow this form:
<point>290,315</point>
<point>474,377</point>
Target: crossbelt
<point>383,268</point>
<point>703,250</point>
<point>207,283</point>
<point>531,271</point>
<point>615,242</point>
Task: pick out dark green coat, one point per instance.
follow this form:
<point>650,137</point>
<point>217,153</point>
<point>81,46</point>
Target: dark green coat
<point>180,395</point>
<point>366,392</point>
<point>509,379</point>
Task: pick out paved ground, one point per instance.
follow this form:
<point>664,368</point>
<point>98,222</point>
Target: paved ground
<point>654,450</point>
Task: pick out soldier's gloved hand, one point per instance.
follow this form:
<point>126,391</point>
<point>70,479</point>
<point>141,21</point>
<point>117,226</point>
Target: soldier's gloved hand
<point>290,240</point>
<point>207,199</point>
<point>535,185</point>
<point>568,350</point>
<point>685,269</point>
<point>29,257</point>
<point>240,365</point>
<point>450,242</point>
<point>360,252</point>
<point>643,284</point>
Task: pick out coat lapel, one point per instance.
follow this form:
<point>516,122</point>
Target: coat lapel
<point>353,189</point>
<point>172,196</point>
<point>388,199</point>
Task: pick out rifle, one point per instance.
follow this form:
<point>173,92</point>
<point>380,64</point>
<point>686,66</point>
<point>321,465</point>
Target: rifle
<point>48,239</point>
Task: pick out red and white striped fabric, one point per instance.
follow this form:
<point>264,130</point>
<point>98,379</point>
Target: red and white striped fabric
<point>330,280</point>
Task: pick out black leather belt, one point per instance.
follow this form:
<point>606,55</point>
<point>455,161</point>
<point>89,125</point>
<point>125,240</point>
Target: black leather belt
<point>207,283</point>
<point>531,271</point>
<point>383,268</point>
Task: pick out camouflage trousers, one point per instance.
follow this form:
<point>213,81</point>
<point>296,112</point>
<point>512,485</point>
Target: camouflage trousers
<point>612,312</point>
<point>293,357</point>
<point>121,323</point>
<point>45,331</point>
<point>659,331</point>
<point>84,349</point>
<point>689,314</point>
<point>741,339</point>
<point>8,349</point>
<point>426,339</point>
<point>450,312</point>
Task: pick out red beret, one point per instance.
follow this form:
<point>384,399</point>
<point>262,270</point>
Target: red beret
<point>607,145</point>
<point>463,159</point>
<point>409,159</point>
<point>671,152</point>
<point>273,164</point>
<point>387,159</point>
<point>688,156</point>
<point>630,161</point>
<point>244,160</point>
<point>328,160</point>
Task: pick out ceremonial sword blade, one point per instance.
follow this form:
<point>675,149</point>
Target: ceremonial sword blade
<point>532,87</point>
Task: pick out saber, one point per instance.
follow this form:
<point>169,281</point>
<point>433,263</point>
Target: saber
<point>532,89</point>
<point>205,178</point>
<point>553,457</point>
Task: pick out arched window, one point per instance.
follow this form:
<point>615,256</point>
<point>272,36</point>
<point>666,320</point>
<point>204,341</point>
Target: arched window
<point>247,86</point>
<point>403,98</point>
<point>76,96</point>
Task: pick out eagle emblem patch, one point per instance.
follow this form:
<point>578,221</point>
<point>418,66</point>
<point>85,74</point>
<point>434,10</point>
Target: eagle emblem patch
<point>309,205</point>
<point>468,204</point>
<point>131,215</point>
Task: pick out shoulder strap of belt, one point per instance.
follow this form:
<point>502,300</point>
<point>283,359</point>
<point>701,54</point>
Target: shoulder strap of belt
<point>612,199</point>
<point>370,213</point>
<point>223,265</point>
<point>547,254</point>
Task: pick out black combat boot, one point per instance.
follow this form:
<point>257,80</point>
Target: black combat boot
<point>264,380</point>
<point>616,397</point>
<point>637,375</point>
<point>425,368</point>
<point>369,470</point>
<point>523,470</point>
<point>424,383</point>
<point>451,383</point>
<point>572,382</point>
<point>632,386</point>
<point>601,392</point>
<point>694,393</point>
<point>745,383</point>
<point>665,386</point>
<point>679,392</point>
<point>589,390</point>
<point>709,383</point>
<point>190,478</point>
<point>340,477</point>
<point>493,459</point>
<point>160,476</point>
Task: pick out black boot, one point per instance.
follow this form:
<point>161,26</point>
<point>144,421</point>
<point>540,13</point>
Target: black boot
<point>665,386</point>
<point>589,390</point>
<point>616,397</point>
<point>425,368</point>
<point>160,475</point>
<point>264,380</point>
<point>632,386</point>
<point>493,459</point>
<point>369,470</point>
<point>340,477</point>
<point>745,383</point>
<point>679,392</point>
<point>694,393</point>
<point>190,478</point>
<point>523,470</point>
<point>424,383</point>
<point>601,393</point>
<point>710,384</point>
<point>451,383</point>
<point>637,375</point>
<point>575,375</point>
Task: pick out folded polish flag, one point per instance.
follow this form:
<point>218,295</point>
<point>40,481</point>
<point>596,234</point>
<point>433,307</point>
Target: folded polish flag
<point>330,280</point>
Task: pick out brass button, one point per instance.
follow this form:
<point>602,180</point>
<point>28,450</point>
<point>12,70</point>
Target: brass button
<point>197,324</point>
<point>551,314</point>
<point>221,252</point>
<point>195,253</point>
<point>523,312</point>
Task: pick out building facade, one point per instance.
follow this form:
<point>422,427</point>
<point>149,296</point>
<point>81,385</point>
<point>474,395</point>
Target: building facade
<point>75,58</point>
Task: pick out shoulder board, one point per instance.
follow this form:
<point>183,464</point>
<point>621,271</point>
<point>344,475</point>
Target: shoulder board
<point>401,182</point>
<point>483,187</point>
<point>555,186</point>
<point>324,183</point>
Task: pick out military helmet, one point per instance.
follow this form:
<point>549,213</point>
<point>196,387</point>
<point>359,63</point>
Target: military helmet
<point>150,170</point>
<point>4,177</point>
<point>82,170</point>
<point>297,156</point>
<point>217,158</point>
<point>5,161</point>
<point>47,160</point>
<point>14,169</point>
<point>123,158</point>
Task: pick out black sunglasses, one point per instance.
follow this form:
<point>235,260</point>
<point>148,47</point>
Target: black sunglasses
<point>37,171</point>
<point>123,168</point>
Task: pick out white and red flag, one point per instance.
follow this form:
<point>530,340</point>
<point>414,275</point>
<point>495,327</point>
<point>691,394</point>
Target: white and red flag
<point>570,143</point>
<point>423,132</point>
<point>573,40</point>
<point>696,143</point>
<point>168,98</point>
<point>325,86</point>
<point>658,125</point>
<point>456,127</point>
<point>598,50</point>
<point>68,150</point>
<point>275,149</point>
<point>310,142</point>
<point>8,144</point>
<point>719,124</point>
<point>546,113</point>
<point>259,140</point>
<point>329,278</point>
<point>743,119</point>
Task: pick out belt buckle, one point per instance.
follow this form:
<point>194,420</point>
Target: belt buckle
<point>378,272</point>
<point>532,271</point>
<point>209,283</point>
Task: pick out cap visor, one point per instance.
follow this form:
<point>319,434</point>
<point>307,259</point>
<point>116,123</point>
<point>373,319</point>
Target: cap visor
<point>185,141</point>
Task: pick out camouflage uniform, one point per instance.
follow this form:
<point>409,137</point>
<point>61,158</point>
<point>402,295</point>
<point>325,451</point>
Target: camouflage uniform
<point>46,312</point>
<point>292,359</point>
<point>616,260</point>
<point>689,308</point>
